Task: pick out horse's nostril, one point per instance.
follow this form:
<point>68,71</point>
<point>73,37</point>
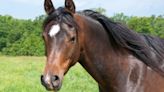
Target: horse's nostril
<point>45,84</point>
<point>41,78</point>
<point>54,78</point>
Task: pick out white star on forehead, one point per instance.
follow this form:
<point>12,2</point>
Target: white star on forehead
<point>54,30</point>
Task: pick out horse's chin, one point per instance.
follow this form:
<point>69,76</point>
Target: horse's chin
<point>56,89</point>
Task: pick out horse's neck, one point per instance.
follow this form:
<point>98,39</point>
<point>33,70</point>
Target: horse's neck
<point>98,57</point>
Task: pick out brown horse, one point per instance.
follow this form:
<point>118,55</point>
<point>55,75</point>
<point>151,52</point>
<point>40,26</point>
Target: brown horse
<point>119,59</point>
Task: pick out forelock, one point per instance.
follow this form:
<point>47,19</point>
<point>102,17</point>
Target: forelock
<point>60,16</point>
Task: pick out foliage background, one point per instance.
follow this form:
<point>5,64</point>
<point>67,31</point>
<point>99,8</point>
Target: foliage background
<point>24,37</point>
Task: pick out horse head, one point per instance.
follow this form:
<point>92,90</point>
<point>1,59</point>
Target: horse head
<point>61,43</point>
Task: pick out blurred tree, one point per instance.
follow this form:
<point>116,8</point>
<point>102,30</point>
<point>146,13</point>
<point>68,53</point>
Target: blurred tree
<point>23,37</point>
<point>120,17</point>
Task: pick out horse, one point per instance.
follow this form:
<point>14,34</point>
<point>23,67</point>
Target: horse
<point>119,59</point>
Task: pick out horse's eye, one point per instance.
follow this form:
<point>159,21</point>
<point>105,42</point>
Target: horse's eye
<point>72,39</point>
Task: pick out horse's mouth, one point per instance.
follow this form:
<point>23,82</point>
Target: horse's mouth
<point>56,87</point>
<point>53,86</point>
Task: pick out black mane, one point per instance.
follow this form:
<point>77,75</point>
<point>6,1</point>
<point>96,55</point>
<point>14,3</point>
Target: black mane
<point>150,50</point>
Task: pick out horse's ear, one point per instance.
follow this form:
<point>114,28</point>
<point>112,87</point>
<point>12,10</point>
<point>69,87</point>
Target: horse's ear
<point>48,6</point>
<point>69,4</point>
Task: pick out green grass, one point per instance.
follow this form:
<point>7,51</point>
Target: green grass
<point>22,74</point>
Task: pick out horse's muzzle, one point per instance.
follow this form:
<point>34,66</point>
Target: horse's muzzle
<point>51,84</point>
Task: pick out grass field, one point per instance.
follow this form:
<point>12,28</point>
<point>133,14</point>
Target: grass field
<point>22,74</point>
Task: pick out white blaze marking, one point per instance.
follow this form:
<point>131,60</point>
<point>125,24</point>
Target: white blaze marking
<point>54,30</point>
